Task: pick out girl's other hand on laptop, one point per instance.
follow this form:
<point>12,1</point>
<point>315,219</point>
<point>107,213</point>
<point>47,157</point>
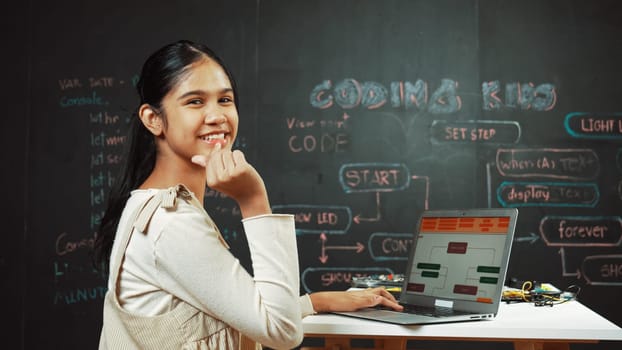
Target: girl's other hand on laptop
<point>351,300</point>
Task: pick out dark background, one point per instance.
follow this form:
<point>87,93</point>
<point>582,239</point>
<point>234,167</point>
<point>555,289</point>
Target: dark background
<point>59,159</point>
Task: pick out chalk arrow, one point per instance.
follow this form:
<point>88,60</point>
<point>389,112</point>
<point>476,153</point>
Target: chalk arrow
<point>359,247</point>
<point>577,273</point>
<point>532,238</point>
<point>358,217</point>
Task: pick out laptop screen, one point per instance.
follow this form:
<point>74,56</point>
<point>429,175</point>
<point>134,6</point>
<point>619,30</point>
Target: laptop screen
<point>460,258</point>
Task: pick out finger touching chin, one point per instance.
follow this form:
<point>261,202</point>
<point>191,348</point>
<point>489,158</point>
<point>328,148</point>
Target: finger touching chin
<point>199,160</point>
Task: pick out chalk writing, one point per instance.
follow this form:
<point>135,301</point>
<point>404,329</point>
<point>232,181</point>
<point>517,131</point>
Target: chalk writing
<point>296,123</point>
<point>88,98</point>
<point>350,93</point>
<point>518,96</point>
<point>390,246</point>
<point>103,139</point>
<point>594,125</point>
<point>102,178</point>
<point>101,82</point>
<point>328,219</point>
<point>445,99</point>
<point>474,131</point>
<point>579,164</point>
<point>64,245</point>
<point>91,100</point>
<point>69,83</point>
<point>104,118</point>
<point>95,218</point>
<point>106,139</point>
<point>551,194</point>
<point>323,142</point>
<point>581,231</point>
<point>373,177</point>
<point>79,295</point>
<point>101,158</point>
<point>323,135</point>
<point>63,269</point>
<point>92,82</point>
<point>337,278</point>
<point>604,270</point>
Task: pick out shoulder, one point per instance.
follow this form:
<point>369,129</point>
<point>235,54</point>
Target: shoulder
<point>174,207</point>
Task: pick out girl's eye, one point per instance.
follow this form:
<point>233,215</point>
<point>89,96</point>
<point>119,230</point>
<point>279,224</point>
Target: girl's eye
<point>226,99</point>
<point>195,101</point>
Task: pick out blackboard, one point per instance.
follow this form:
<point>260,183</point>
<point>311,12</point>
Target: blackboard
<point>13,142</point>
<point>359,115</point>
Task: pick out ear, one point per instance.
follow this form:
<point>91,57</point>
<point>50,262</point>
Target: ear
<point>151,119</point>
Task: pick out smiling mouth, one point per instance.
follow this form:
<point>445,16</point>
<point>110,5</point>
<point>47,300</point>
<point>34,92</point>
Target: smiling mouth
<point>215,138</point>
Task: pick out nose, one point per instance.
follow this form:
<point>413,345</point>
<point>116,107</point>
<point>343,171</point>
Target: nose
<point>215,118</point>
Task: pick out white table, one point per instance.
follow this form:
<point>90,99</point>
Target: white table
<point>527,326</point>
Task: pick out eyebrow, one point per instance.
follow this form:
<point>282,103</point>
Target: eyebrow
<point>203,92</point>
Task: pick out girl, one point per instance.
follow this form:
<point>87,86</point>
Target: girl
<point>173,283</point>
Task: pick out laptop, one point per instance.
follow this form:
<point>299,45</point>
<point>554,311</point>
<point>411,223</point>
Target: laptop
<point>456,268</point>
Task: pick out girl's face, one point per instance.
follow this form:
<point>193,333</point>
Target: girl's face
<point>200,112</point>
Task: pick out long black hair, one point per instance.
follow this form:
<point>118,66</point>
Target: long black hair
<point>160,73</point>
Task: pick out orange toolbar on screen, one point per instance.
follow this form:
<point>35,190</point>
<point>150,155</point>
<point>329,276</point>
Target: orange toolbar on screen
<point>465,225</point>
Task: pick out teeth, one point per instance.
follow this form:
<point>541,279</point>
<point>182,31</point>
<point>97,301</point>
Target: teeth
<point>214,137</point>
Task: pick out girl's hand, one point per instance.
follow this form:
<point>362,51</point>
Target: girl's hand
<point>353,300</point>
<point>228,172</point>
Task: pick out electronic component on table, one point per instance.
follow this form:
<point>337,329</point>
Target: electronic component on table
<point>543,294</point>
<point>392,282</point>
